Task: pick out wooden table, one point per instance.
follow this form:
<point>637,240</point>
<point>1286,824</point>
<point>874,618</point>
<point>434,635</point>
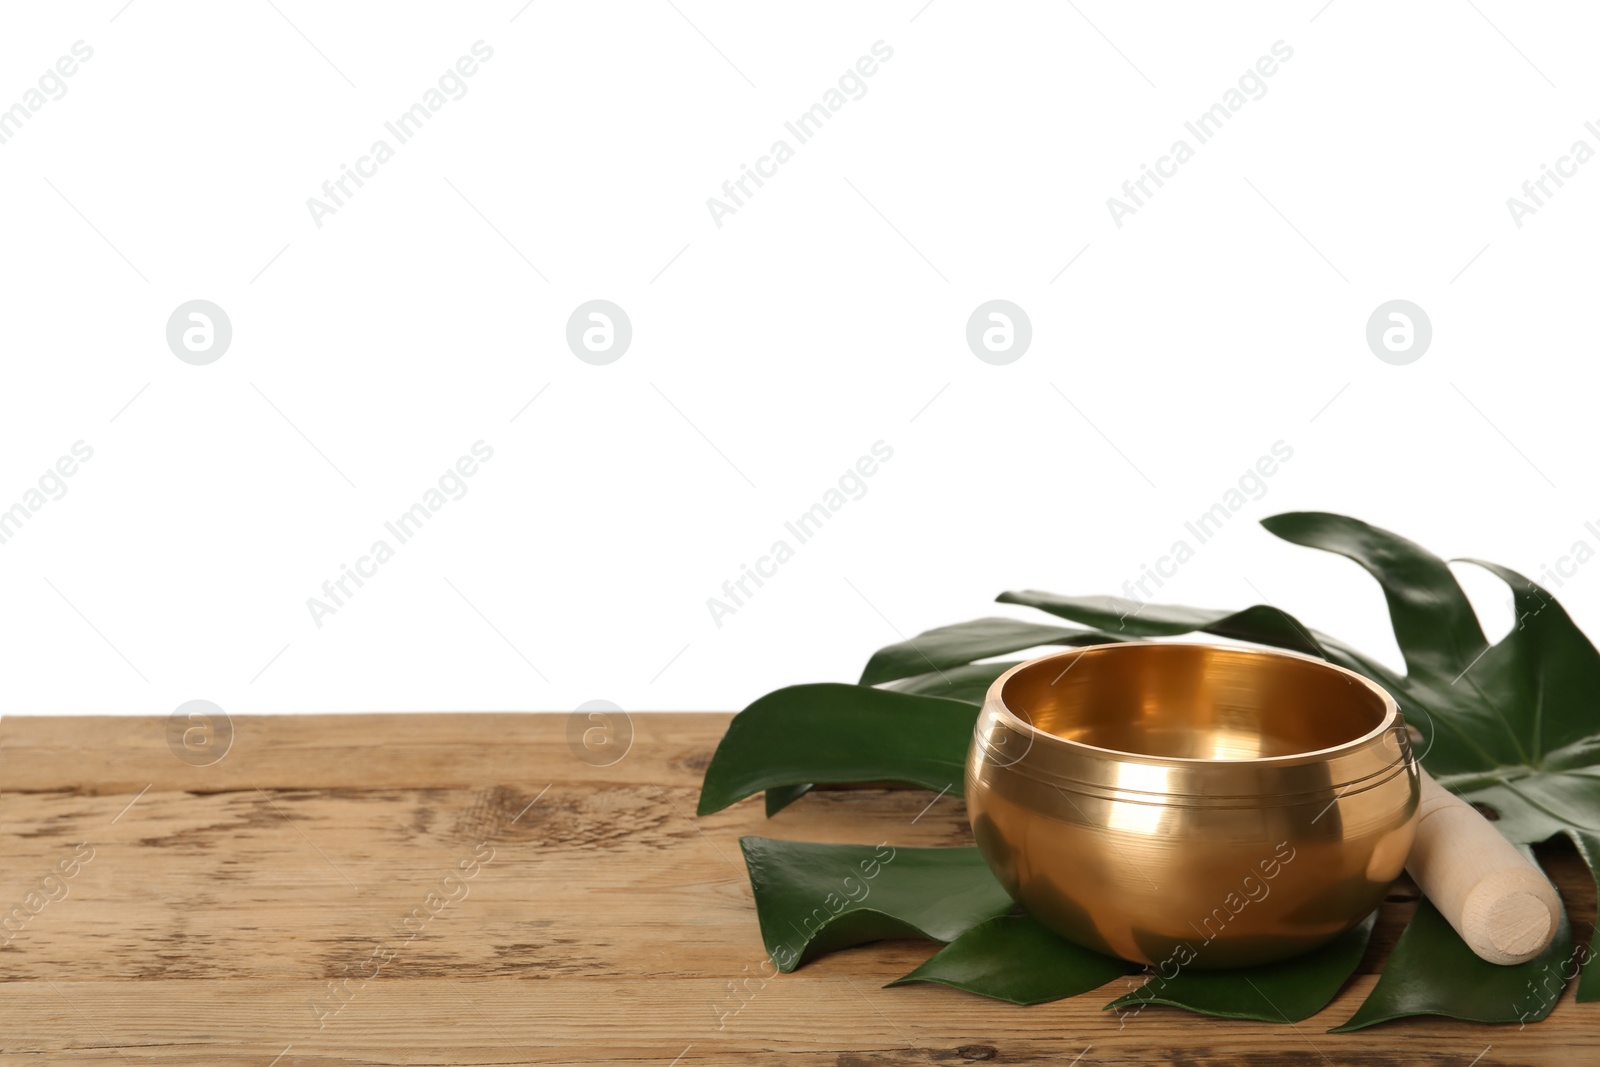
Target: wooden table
<point>464,889</point>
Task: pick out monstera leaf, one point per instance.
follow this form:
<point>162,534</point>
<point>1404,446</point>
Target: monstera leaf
<point>1513,726</point>
<point>813,899</point>
<point>1013,958</point>
<point>838,733</point>
<point>1417,979</point>
<point>1283,992</point>
<point>954,646</point>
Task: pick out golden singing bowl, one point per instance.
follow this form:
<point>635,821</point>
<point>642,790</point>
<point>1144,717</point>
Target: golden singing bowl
<point>1192,805</point>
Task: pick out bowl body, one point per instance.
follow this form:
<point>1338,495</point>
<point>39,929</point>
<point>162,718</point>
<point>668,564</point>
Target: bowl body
<point>1188,805</point>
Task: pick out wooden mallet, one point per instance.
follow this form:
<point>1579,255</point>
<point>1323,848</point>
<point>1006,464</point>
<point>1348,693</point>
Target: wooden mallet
<point>1502,905</point>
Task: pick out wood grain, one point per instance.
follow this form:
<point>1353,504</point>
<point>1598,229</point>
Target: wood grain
<point>307,900</point>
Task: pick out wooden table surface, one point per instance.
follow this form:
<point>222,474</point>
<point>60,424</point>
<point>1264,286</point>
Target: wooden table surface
<point>464,889</point>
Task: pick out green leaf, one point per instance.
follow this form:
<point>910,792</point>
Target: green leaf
<point>1283,992</point>
<point>1509,726</point>
<point>969,684</point>
<point>954,646</point>
<point>812,899</point>
<point>1469,700</point>
<point>1543,675</point>
<point>1433,621</point>
<point>1432,972</point>
<point>1512,725</point>
<point>839,733</point>
<point>1262,624</point>
<point>782,796</point>
<point>1015,959</point>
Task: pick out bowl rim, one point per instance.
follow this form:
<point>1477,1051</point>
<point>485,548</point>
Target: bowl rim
<point>1392,718</point>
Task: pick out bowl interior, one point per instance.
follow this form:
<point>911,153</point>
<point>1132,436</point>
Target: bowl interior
<point>1194,701</point>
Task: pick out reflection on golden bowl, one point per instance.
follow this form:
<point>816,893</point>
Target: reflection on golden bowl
<point>1192,805</point>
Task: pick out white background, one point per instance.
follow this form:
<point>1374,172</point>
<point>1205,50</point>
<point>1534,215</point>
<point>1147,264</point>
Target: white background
<point>768,354</point>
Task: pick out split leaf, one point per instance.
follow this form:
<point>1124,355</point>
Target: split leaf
<point>812,899</point>
<point>1015,959</point>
